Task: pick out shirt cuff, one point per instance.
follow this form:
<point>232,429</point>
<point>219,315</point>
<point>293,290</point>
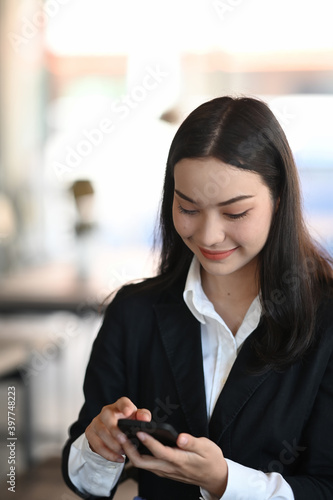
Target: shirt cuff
<point>206,496</point>
<point>252,484</point>
<point>89,472</point>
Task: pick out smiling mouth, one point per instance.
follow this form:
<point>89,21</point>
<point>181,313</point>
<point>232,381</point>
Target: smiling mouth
<point>216,255</point>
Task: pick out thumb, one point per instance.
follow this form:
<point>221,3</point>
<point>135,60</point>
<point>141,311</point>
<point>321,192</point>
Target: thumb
<point>200,445</point>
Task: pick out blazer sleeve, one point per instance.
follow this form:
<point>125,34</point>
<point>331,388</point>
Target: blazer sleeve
<point>104,383</point>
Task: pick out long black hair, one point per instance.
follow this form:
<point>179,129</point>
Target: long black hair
<point>294,272</point>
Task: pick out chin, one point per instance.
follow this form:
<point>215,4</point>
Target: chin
<point>217,268</point>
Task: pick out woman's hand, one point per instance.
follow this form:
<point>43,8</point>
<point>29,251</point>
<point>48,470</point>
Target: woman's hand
<point>196,461</point>
<point>103,433</point>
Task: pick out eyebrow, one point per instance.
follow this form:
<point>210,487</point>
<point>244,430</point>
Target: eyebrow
<point>222,203</point>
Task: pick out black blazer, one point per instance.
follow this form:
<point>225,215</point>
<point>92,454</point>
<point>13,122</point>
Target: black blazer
<point>149,349</point>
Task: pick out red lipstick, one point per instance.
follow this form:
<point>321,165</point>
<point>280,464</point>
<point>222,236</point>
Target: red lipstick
<point>216,255</point>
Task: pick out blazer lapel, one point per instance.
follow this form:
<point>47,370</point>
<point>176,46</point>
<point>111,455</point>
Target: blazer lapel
<point>239,387</point>
<point>181,338</point>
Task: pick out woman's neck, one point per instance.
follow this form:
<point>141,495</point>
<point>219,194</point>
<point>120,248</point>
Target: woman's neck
<point>232,295</point>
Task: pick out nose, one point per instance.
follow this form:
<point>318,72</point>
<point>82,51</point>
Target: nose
<point>211,231</point>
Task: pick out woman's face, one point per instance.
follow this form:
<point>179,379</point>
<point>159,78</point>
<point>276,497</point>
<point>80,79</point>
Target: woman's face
<point>222,213</point>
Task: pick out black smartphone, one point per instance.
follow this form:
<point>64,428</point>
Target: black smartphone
<point>163,432</point>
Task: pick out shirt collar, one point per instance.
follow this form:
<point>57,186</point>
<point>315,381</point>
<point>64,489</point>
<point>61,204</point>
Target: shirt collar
<point>194,296</point>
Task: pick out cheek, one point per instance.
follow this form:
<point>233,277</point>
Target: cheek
<point>253,232</point>
<point>257,232</point>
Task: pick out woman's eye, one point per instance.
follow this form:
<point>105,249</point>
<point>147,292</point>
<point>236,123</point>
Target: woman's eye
<point>237,216</point>
<point>183,210</point>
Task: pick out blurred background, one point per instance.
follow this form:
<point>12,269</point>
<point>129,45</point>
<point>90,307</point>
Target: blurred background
<point>92,92</point>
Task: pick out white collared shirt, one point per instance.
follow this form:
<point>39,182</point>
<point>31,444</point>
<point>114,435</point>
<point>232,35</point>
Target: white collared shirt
<point>219,346</point>
<point>91,473</point>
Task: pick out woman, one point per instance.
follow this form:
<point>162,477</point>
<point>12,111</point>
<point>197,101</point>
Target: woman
<point>231,342</point>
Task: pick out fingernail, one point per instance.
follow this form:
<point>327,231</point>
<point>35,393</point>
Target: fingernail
<point>145,413</point>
